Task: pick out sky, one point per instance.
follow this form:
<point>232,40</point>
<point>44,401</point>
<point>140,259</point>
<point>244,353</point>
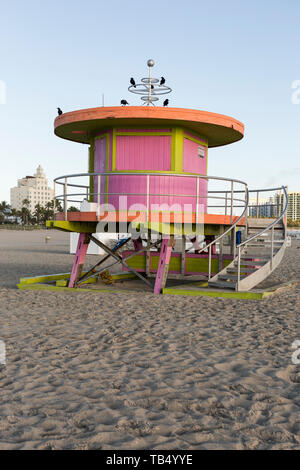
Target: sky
<point>230,57</point>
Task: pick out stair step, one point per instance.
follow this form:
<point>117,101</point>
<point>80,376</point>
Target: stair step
<point>250,263</point>
<point>255,256</point>
<point>243,270</point>
<point>234,277</point>
<point>222,284</point>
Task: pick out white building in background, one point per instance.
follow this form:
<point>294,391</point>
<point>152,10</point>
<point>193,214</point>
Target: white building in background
<point>34,188</point>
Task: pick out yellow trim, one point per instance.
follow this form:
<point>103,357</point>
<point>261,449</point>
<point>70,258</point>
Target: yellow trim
<point>177,150</point>
<point>144,133</point>
<point>66,226</point>
<point>91,167</point>
<point>114,150</point>
<point>198,141</point>
<point>107,167</point>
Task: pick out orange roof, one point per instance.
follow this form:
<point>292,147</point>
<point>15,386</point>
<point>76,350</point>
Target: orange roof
<point>81,125</point>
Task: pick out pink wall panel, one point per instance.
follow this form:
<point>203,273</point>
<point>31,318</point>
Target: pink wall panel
<point>192,163</point>
<point>125,184</point>
<point>143,153</point>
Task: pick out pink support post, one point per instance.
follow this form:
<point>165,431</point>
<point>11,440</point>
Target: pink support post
<point>163,264</point>
<point>82,246</point>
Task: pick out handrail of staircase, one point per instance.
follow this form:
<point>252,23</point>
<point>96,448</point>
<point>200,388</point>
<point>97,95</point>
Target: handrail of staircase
<point>272,224</point>
<point>257,235</point>
<point>232,226</point>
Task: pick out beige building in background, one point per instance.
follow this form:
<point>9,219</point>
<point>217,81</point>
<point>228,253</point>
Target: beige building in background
<point>34,188</point>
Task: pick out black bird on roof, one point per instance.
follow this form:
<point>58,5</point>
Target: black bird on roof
<point>166,102</point>
<point>59,111</point>
<point>124,102</point>
<point>132,81</point>
<point>162,81</point>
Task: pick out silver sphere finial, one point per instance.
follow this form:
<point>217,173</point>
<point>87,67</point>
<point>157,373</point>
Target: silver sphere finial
<point>150,63</point>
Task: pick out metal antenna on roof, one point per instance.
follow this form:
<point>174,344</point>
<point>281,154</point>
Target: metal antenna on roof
<point>150,87</point>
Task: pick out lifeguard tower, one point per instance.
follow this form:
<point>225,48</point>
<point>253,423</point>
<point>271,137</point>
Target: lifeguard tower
<point>147,177</point>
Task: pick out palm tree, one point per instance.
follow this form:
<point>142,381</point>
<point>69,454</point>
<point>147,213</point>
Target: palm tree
<point>39,212</point>
<point>15,214</point>
<point>4,207</point>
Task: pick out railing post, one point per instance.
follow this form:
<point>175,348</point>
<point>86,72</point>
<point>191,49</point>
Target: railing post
<point>231,207</point>
<point>148,199</point>
<point>246,213</point>
<point>209,262</point>
<point>257,204</point>
<point>226,197</point>
<point>54,198</point>
<point>239,269</point>
<point>272,247</point>
<point>197,203</point>
<point>234,241</point>
<point>99,190</point>
<point>183,244</point>
<point>66,199</point>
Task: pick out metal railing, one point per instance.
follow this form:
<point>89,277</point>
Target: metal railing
<point>281,217</point>
<point>231,202</point>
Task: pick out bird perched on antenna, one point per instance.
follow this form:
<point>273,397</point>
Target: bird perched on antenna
<point>162,81</point>
<point>132,81</point>
<point>59,111</point>
<point>166,102</point>
<point>124,102</point>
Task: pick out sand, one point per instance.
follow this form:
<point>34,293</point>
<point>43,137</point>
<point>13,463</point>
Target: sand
<point>130,371</point>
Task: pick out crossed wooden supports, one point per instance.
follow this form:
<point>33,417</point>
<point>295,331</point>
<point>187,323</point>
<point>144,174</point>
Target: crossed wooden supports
<point>166,243</point>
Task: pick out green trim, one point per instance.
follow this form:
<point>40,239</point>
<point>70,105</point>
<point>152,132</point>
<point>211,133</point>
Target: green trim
<point>63,278</point>
<point>107,167</point>
<point>44,278</point>
<point>66,226</point>
<point>211,293</point>
<point>69,289</point>
<point>143,133</point>
<point>177,150</point>
<point>92,168</point>
<point>114,150</point>
<point>198,141</point>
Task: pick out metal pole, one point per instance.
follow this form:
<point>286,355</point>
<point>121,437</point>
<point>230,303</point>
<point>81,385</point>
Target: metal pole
<point>257,202</point>
<point>66,199</point>
<point>226,197</point>
<point>99,189</point>
<point>209,262</point>
<point>231,208</point>
<point>148,198</point>
<point>54,199</point>
<point>239,269</point>
<point>272,247</point>
<point>197,200</point>
<point>183,255</point>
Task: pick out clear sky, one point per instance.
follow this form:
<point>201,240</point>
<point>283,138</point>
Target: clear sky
<point>231,57</point>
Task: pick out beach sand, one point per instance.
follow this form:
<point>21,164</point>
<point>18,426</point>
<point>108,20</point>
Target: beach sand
<point>138,371</point>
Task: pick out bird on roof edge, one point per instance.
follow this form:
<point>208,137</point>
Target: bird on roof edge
<point>165,103</point>
<point>59,111</point>
<point>124,102</point>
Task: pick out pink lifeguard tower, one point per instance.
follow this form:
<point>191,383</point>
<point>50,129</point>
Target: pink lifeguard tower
<point>148,178</point>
